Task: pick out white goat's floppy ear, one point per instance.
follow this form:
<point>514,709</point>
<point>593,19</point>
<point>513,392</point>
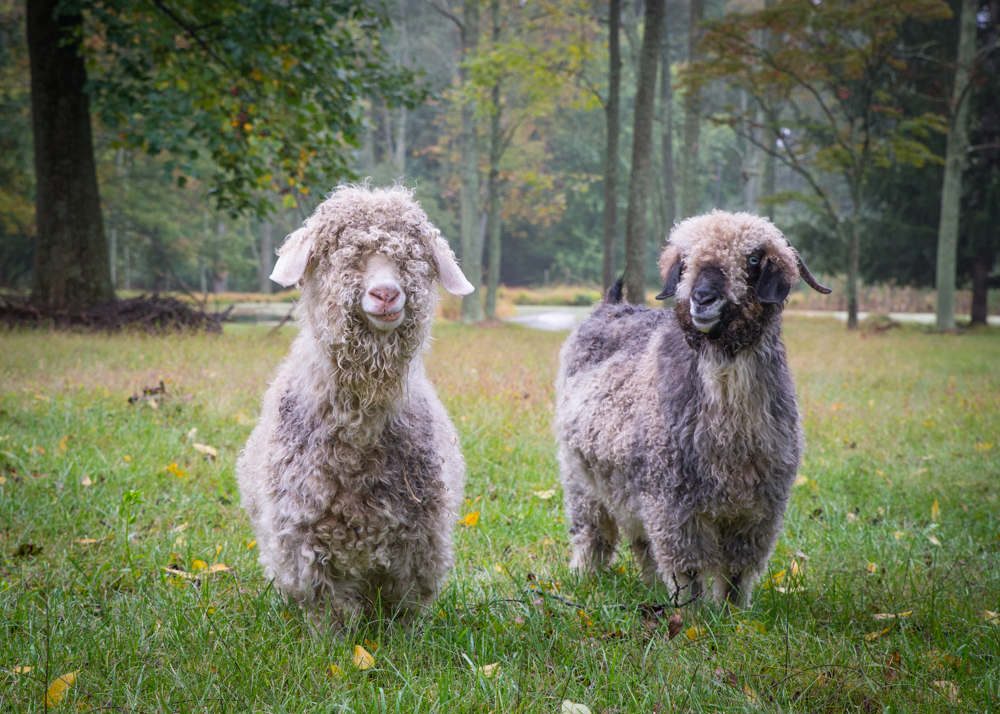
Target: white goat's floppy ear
<point>452,277</point>
<point>293,257</point>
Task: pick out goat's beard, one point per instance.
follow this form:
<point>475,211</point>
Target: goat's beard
<point>741,326</point>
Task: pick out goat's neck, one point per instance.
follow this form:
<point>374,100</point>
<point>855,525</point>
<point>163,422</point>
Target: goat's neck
<point>734,424</point>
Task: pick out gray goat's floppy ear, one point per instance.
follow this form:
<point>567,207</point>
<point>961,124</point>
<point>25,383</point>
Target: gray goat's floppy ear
<point>293,257</point>
<point>451,275</point>
<point>671,266</point>
<point>772,285</point>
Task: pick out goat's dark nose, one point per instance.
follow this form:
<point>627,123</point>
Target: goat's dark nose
<point>384,294</point>
<point>705,295</point>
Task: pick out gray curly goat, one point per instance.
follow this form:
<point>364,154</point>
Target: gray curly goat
<point>680,428</point>
<point>353,477</point>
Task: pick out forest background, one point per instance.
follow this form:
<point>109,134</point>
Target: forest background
<point>526,85</point>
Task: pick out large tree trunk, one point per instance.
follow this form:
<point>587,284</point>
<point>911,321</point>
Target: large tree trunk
<point>954,164</point>
<point>692,120</point>
<point>669,211</point>
<point>853,260</point>
<point>72,265</point>
<point>265,261</point>
<point>493,187</point>
<point>980,285</point>
<point>642,147</point>
<point>472,306</point>
<point>611,111</point>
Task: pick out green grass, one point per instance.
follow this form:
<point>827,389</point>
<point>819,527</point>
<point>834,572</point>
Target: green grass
<point>894,423</point>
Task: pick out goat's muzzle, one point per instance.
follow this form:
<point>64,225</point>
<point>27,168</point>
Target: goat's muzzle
<point>708,299</point>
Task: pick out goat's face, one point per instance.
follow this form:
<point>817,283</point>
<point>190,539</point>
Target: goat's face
<point>729,274</point>
<point>383,299</point>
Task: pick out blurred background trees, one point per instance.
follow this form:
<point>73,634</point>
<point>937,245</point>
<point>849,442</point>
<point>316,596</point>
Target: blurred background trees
<point>218,127</point>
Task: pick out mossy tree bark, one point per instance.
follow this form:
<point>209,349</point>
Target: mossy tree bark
<point>612,112</point>
<point>954,165</point>
<point>72,265</point>
<point>493,186</point>
<point>669,208</point>
<point>472,306</point>
<point>642,147</point>
<point>692,120</point>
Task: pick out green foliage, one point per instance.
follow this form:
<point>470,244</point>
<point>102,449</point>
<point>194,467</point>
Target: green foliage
<point>269,91</point>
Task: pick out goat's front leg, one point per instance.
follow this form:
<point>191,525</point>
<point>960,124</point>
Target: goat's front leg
<point>593,531</point>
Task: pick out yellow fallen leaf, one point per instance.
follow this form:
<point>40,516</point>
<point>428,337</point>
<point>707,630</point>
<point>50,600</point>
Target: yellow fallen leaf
<point>20,670</point>
<point>751,695</point>
<point>91,541</point>
<point>948,690</point>
<point>933,540</point>
<point>545,495</point>
<point>787,591</point>
<point>800,480</point>
<point>85,481</point>
<point>774,580</point>
<point>177,572</point>
<point>899,534</point>
<point>871,567</point>
<point>251,544</point>
<point>872,636</point>
<point>569,707</point>
<point>488,670</point>
<point>936,660</point>
<point>334,671</point>
<point>751,626</point>
<point>206,449</point>
<point>992,617</point>
<point>127,459</point>
<point>362,659</point>
<point>469,520</point>
<point>62,444</point>
<point>175,470</point>
<point>218,568</point>
<point>985,446</point>
<point>794,568</point>
<point>198,565</point>
<point>851,517</point>
<point>57,690</point>
<point>372,645</point>
<point>935,510</point>
<point>694,632</point>
<point>892,615</point>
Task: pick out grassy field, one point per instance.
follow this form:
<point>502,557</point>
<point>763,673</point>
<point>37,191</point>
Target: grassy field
<point>113,525</point>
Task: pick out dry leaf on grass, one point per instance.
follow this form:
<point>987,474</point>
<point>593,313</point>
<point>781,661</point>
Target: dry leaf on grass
<point>752,696</point>
<point>991,617</point>
<point>489,670</point>
<point>695,632</point>
<point>371,645</point>
<point>891,615</point>
<point>57,690</point>
<point>545,495</point>
<point>21,669</point>
<point>892,668</point>
<point>872,636</point>
<point>85,481</point>
<point>362,658</point>
<point>674,625</point>
<point>949,690</point>
<point>62,444</point>
<point>933,540</point>
<point>209,451</point>
<point>935,511</point>
<point>469,520</point>
<point>93,541</point>
<point>217,568</point>
<point>569,707</point>
<point>334,671</point>
<point>871,567</point>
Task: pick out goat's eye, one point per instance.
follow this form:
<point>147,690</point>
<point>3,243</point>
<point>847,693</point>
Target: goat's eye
<point>754,260</point>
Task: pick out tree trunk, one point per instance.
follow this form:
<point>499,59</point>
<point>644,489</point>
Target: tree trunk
<point>493,187</point>
<point>692,120</point>
<point>980,285</point>
<point>669,211</point>
<point>472,306</point>
<point>399,157</point>
<point>642,146</point>
<point>954,164</point>
<point>853,260</point>
<point>72,267</point>
<point>611,111</point>
<point>265,261</point>
<point>751,160</point>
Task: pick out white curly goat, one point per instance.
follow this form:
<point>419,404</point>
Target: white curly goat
<point>353,477</point>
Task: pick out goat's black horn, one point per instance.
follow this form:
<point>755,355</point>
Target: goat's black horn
<point>808,277</point>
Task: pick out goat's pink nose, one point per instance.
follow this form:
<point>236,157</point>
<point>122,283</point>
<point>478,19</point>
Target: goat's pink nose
<point>384,294</point>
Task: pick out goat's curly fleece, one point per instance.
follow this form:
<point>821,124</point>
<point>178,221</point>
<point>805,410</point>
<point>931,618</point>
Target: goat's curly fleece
<point>353,478</point>
<point>686,444</point>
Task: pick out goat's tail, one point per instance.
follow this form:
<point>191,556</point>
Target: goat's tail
<point>616,291</point>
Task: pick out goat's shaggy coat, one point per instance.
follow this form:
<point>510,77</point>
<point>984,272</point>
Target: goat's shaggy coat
<point>353,476</point>
<point>686,439</point>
